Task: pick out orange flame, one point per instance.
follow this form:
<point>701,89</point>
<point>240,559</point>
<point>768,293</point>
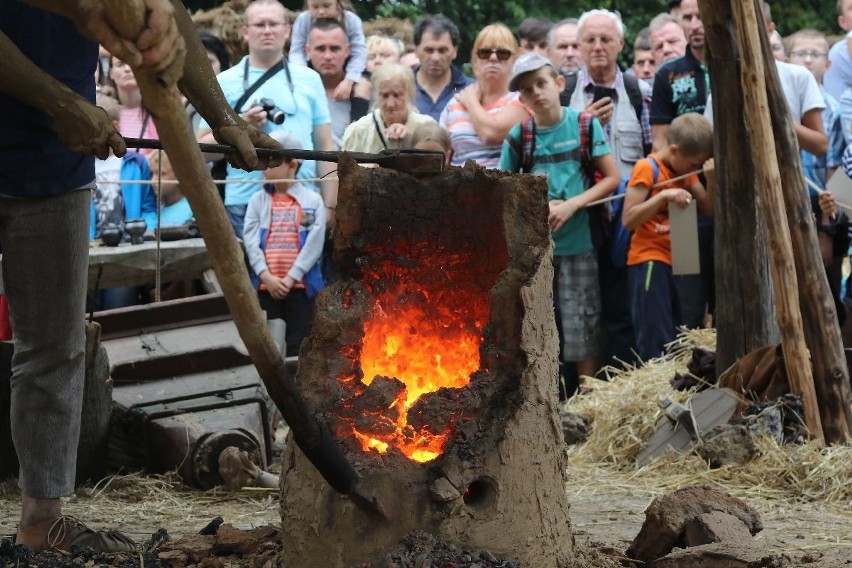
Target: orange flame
<point>427,339</point>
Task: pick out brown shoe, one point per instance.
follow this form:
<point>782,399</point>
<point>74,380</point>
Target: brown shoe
<point>64,532</point>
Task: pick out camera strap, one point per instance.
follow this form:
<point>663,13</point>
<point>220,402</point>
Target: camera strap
<point>249,91</point>
<point>379,130</point>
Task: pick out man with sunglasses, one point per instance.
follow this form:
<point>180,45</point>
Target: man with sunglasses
<point>436,41</point>
<point>296,93</point>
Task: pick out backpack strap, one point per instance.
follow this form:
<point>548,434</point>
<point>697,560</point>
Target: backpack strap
<point>656,169</point>
<point>587,161</point>
<point>568,91</point>
<point>634,93</point>
<point>527,145</point>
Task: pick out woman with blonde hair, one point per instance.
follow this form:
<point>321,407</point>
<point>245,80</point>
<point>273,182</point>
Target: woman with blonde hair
<point>394,117</point>
<point>382,49</point>
<point>479,117</point>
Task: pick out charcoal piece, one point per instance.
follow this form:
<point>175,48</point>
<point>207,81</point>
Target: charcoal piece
<point>212,527</point>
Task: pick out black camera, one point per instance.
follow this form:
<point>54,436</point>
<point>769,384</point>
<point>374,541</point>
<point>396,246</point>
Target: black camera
<point>273,113</point>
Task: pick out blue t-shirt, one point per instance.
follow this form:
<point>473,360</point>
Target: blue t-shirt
<point>814,167</point>
<point>33,162</point>
<point>177,213</point>
<point>423,100</point>
<point>838,76</point>
<point>557,157</point>
<point>303,102</point>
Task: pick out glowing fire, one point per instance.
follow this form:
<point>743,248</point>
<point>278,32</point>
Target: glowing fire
<point>426,338</point>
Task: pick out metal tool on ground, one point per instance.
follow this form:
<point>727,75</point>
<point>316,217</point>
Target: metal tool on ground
<point>682,426</point>
<point>410,161</point>
<point>162,99</point>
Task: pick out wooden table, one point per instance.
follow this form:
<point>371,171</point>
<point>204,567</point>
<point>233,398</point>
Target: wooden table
<point>134,265</point>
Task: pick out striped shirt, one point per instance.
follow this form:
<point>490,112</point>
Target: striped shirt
<point>466,142</point>
<point>132,124</point>
<point>282,241</point>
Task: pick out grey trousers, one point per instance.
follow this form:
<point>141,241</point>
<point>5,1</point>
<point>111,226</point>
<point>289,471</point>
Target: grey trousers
<point>45,260</point>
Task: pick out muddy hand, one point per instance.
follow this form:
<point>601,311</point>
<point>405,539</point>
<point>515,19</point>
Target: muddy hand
<point>87,129</point>
<point>245,137</point>
<point>158,46</point>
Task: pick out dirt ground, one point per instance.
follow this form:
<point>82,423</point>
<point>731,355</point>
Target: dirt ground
<point>606,509</point>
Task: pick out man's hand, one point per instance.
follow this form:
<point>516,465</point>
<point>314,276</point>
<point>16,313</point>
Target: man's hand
<point>245,137</point>
<point>602,109</point>
<point>85,128</point>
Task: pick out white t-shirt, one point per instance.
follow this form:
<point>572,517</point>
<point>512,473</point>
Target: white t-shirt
<point>800,89</point>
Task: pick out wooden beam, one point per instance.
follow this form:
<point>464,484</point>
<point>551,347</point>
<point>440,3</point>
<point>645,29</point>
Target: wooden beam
<point>819,316</point>
<point>744,315</point>
<point>768,177</point>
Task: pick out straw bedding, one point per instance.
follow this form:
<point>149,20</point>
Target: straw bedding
<point>624,412</point>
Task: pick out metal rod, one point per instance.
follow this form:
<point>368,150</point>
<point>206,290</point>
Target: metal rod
<point>388,157</point>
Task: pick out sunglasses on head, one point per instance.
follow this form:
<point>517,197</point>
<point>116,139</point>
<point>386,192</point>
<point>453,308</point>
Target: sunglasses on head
<point>485,53</point>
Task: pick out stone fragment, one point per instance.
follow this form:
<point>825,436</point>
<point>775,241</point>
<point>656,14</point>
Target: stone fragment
<point>723,555</point>
<point>442,490</point>
<point>727,444</point>
<point>667,516</point>
<point>716,526</point>
<point>575,427</point>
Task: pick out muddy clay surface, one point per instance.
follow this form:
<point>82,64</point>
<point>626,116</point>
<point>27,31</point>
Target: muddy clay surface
<point>606,513</point>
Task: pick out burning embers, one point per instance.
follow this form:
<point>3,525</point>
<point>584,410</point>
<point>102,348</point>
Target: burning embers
<point>427,314</point>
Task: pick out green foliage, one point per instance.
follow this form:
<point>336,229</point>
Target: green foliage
<point>471,16</point>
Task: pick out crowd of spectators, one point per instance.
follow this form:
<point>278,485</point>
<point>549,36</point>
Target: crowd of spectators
<point>337,89</point>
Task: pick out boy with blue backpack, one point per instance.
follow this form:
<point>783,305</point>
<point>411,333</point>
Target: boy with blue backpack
<point>550,144</point>
<point>654,305</point>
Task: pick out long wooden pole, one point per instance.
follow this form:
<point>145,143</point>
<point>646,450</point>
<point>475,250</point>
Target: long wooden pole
<point>163,101</point>
<point>782,268</point>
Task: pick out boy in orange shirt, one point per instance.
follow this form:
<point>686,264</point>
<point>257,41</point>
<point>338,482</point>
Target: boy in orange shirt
<point>654,305</point>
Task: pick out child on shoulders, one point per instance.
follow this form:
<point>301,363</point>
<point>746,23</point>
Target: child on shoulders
<point>336,10</point>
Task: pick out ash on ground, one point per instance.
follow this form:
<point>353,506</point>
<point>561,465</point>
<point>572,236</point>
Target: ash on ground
<point>424,550</point>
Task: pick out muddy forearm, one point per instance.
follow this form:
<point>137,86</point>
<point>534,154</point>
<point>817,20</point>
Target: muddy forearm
<point>198,83</point>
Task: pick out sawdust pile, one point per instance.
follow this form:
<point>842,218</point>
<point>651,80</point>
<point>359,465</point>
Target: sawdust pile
<point>624,412</point>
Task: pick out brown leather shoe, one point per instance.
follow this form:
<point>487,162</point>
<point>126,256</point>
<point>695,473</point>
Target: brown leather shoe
<point>65,531</point>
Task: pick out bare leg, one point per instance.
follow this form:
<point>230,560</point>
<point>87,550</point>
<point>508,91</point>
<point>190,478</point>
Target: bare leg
<point>34,511</point>
<point>587,367</point>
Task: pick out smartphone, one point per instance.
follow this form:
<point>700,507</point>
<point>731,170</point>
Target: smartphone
<point>601,92</point>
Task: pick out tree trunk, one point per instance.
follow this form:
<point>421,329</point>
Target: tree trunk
<point>744,314</point>
<point>822,332</point>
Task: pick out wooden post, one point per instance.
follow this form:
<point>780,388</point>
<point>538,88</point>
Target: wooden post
<point>744,315</point>
<point>782,268</point>
<point>822,332</point>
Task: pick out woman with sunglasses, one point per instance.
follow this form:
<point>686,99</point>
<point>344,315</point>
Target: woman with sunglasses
<point>479,117</point>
